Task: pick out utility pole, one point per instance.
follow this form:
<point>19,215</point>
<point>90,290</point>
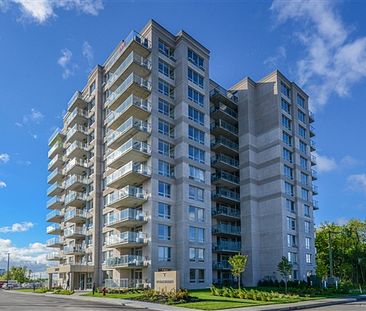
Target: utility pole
<point>7,274</point>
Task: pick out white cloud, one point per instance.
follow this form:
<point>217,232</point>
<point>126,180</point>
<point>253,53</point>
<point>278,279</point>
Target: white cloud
<point>325,164</point>
<point>40,11</point>
<point>4,158</point>
<point>33,255</point>
<point>333,62</point>
<point>273,61</point>
<point>349,161</point>
<point>65,62</point>
<point>17,227</point>
<point>88,52</point>
<point>357,182</point>
<point>35,117</point>
<point>2,184</point>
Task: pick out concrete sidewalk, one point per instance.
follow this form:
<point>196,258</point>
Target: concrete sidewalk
<point>160,307</point>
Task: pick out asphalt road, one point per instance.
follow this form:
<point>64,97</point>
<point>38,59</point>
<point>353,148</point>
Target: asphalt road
<point>354,306</point>
<point>21,302</point>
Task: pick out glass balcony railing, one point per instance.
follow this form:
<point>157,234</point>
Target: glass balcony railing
<point>132,37</point>
<point>72,231</point>
<point>77,95</point>
<point>133,57</point>
<point>132,122</point>
<point>53,256</point>
<point>53,214</point>
<point>224,125</point>
<point>73,195</point>
<point>73,163</point>
<point>221,140</point>
<point>54,160</point>
<point>70,249</point>
<point>225,159</point>
<point>130,167</point>
<point>75,145</point>
<point>220,90</point>
<point>75,179</point>
<point>53,174</point>
<point>53,228</point>
<point>126,238</point>
<point>54,200</point>
<point>57,185</point>
<point>74,213</point>
<point>225,194</point>
<point>224,210</point>
<point>56,146</point>
<point>125,215</point>
<point>125,192</point>
<point>74,113</point>
<point>222,175</point>
<point>53,136</point>
<point>225,109</point>
<point>221,265</point>
<point>74,129</point>
<point>132,144</point>
<point>54,241</point>
<point>132,78</point>
<point>226,229</point>
<point>125,260</point>
<point>227,246</point>
<point>132,100</point>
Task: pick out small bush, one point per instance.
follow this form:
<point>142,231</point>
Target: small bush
<point>41,290</point>
<point>172,297</point>
<point>63,292</point>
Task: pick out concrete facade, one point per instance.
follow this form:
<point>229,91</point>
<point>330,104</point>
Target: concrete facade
<point>159,168</point>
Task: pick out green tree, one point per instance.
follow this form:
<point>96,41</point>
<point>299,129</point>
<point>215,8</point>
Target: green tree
<point>19,274</point>
<point>238,264</point>
<point>284,267</point>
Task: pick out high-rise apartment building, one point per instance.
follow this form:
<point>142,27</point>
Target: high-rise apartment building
<point>159,168</point>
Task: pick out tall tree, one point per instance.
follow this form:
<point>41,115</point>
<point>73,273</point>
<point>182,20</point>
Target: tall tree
<point>284,267</point>
<point>238,264</point>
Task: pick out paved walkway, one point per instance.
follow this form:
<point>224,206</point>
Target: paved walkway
<point>160,307</point>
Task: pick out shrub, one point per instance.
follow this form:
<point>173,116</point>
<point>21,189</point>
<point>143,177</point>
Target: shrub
<point>41,290</point>
<point>63,292</point>
<point>171,297</point>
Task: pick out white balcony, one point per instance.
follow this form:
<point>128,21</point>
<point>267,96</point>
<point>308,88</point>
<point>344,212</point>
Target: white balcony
<point>55,203</point>
<point>74,232</point>
<point>54,242</point>
<point>77,149</point>
<point>76,101</point>
<point>54,229</point>
<point>77,116</point>
<point>75,166</point>
<point>54,256</point>
<point>55,189</point>
<point>131,173</point>
<point>77,249</point>
<point>56,162</point>
<point>128,196</point>
<point>76,182</point>
<point>55,149</point>
<point>75,199</point>
<point>54,216</point>
<point>132,150</point>
<point>75,216</point>
<point>127,239</point>
<point>126,261</point>
<point>128,218</point>
<point>77,132</point>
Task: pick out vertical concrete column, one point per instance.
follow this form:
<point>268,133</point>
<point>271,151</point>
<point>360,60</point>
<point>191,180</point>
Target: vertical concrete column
<point>50,281</point>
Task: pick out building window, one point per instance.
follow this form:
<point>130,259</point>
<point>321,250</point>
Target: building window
<point>285,105</point>
<point>285,90</point>
<point>164,253</point>
<point>288,172</point>
<point>292,257</point>
<point>290,205</point>
<point>196,234</point>
<point>196,254</point>
<point>300,101</point>
<point>201,276</point>
<point>164,189</point>
<point>166,88</point>
<point>301,116</point>
<point>196,135</point>
<point>195,96</point>
<point>195,59</point>
<point>165,169</point>
<point>302,131</point>
<point>164,232</point>
<point>165,108</point>
<point>195,77</point>
<point>165,148</point>
<point>291,240</point>
<point>303,163</point>
<point>286,122</point>
<point>92,88</point>
<point>166,49</point>
<point>192,275</point>
<point>304,178</point>
<point>196,116</point>
<point>164,210</point>
<point>196,194</point>
<point>196,174</point>
<point>303,147</point>
<point>289,189</point>
<point>291,223</point>
<point>287,155</point>
<point>286,138</point>
<point>307,227</point>
<point>196,154</point>
<point>308,258</point>
<point>166,128</point>
<point>304,194</point>
<point>196,214</point>
<point>307,243</point>
<point>307,210</point>
<point>166,69</point>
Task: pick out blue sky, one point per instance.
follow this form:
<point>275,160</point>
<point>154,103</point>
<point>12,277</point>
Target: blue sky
<point>47,49</point>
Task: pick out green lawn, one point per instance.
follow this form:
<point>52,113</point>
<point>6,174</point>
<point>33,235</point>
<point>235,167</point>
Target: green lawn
<point>206,300</point>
